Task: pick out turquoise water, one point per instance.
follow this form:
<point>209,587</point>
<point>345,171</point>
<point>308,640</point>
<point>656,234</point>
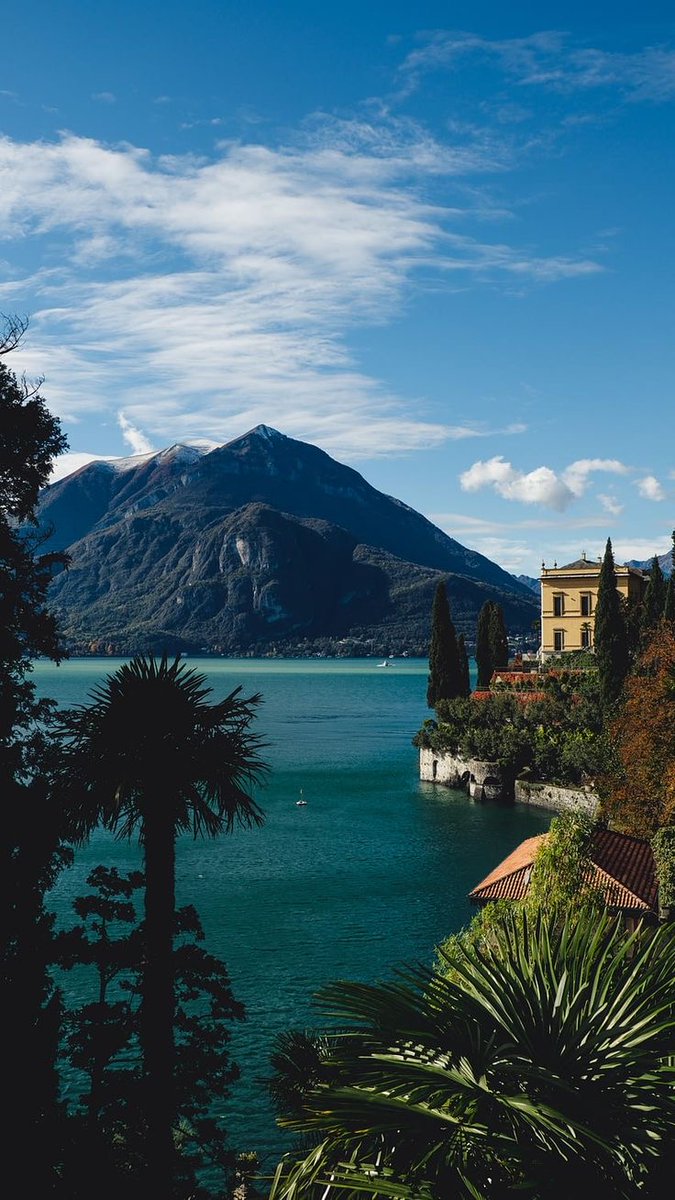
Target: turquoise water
<point>374,871</point>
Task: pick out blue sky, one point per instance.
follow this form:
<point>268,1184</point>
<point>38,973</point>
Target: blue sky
<point>441,251</point>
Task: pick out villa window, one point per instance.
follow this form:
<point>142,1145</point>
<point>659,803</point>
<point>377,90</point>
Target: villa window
<point>558,605</point>
<point>558,640</point>
<point>586,642</point>
<point>586,604</point>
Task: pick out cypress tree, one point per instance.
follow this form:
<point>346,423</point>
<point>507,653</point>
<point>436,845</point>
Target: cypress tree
<point>632,614</point>
<point>669,606</point>
<point>483,646</point>
<point>499,644</point>
<point>444,670</point>
<point>465,682</point>
<point>611,646</point>
<point>654,600</point>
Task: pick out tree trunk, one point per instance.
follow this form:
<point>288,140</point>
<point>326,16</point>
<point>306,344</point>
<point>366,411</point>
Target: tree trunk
<point>157,1014</point>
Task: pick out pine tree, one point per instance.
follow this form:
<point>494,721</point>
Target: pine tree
<point>611,646</point>
<point>465,681</point>
<point>444,667</point>
<point>654,600</point>
<point>499,644</point>
<point>483,646</point>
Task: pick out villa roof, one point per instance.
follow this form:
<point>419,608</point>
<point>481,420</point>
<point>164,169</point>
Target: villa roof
<point>593,564</point>
<point>580,564</point>
<point>621,866</point>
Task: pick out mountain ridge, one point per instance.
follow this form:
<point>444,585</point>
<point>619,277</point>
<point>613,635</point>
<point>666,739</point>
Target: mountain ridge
<point>262,540</point>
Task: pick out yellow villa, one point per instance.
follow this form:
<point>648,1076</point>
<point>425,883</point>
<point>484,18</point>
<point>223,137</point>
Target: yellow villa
<point>568,599</point>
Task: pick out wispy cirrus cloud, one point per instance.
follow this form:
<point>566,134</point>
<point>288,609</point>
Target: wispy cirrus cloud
<point>201,296</point>
<point>552,60</point>
<point>540,486</point>
<point>519,546</point>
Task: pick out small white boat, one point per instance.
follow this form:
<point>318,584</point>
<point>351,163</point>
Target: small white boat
<point>301,802</point>
<point>384,664</point>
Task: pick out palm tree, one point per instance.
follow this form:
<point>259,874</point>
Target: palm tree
<point>543,1066</point>
<point>151,754</point>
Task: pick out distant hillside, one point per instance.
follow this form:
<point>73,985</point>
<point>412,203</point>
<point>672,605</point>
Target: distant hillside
<point>665,562</point>
<point>265,543</point>
<point>533,584</point>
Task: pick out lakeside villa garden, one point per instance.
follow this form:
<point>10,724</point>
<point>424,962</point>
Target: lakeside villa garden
<point>533,1055</point>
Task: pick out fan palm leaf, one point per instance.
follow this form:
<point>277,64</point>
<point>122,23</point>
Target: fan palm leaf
<point>543,1064</point>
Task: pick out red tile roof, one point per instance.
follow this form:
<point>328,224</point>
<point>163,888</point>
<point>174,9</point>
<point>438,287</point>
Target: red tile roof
<point>621,866</point>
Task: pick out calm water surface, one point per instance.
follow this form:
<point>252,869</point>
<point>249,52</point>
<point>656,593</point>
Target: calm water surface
<point>374,871</point>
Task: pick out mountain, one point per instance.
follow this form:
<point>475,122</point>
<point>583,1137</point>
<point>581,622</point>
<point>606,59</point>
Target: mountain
<point>264,543</point>
<point>533,584</point>
<point>665,563</point>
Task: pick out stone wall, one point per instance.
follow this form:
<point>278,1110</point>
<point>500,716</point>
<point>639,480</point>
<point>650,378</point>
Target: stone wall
<point>483,781</point>
<point>555,798</point>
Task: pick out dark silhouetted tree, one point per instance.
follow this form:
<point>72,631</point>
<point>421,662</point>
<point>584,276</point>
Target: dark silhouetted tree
<point>444,671</point>
<point>103,1045</point>
<point>465,682</point>
<point>669,603</point>
<point>484,646</point>
<point>30,851</point>
<point>151,754</point>
<point>492,647</point>
<point>611,643</point>
<point>499,644</point>
<point>654,600</point>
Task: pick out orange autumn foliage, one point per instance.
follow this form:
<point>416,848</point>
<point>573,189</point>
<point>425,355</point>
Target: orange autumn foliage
<point>640,797</point>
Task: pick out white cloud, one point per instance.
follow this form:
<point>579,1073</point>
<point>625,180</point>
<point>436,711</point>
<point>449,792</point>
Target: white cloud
<point>610,504</point>
<point>202,296</point>
<point>104,97</point>
<point>576,476</point>
<point>134,438</point>
<point>540,486</point>
<point>650,488</point>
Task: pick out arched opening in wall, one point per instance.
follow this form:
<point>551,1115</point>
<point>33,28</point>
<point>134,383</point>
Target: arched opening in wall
<point>491,787</point>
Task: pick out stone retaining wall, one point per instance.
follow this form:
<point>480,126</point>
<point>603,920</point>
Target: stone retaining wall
<point>555,798</point>
<point>483,781</point>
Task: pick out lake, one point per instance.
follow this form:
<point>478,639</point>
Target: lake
<point>373,871</point>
